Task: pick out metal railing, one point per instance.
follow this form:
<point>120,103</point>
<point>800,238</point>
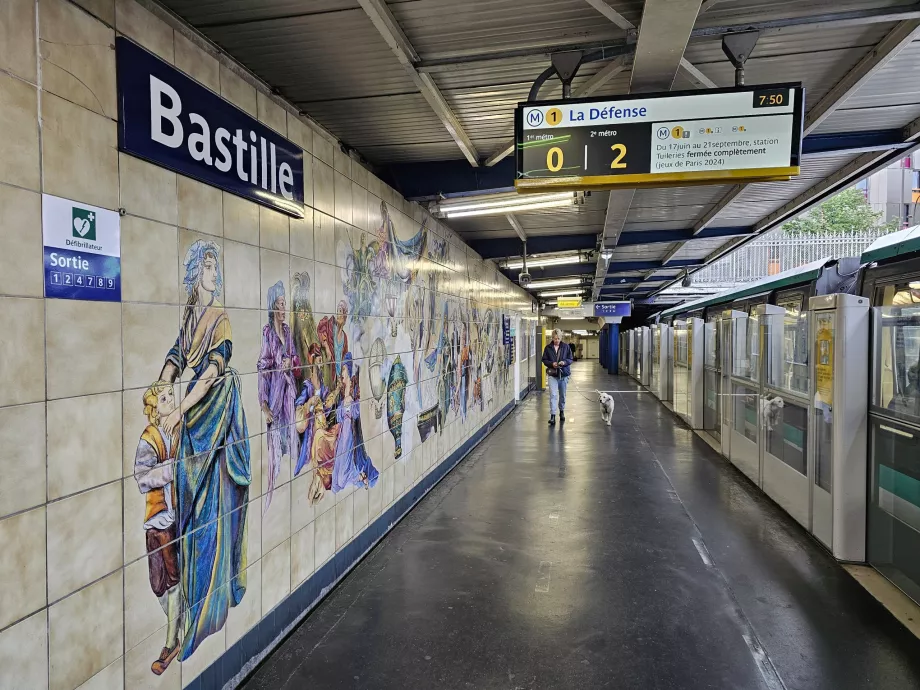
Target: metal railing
<point>778,252</point>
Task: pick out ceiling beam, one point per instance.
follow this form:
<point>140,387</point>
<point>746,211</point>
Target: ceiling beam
<point>894,42</point>
<point>611,14</point>
<point>386,24</point>
<point>645,237</point>
<point>507,247</point>
<point>515,223</point>
<point>616,48</point>
<point>665,31</point>
<point>700,80</point>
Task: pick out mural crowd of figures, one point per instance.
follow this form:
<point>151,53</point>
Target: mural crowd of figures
<point>408,350</point>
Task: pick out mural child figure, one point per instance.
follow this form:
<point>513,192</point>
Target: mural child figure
<point>334,341</point>
<point>213,470</point>
<point>277,390</point>
<point>353,466</point>
<point>317,448</point>
<point>154,467</point>
<point>304,323</point>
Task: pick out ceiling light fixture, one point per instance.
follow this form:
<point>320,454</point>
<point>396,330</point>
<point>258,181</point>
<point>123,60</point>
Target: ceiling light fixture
<point>558,282</point>
<point>560,293</point>
<point>551,261</point>
<point>504,203</point>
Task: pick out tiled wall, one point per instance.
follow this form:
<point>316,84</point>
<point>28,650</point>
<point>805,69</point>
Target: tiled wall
<point>79,567</point>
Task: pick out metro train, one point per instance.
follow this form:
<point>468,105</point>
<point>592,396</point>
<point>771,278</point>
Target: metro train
<point>808,382</point>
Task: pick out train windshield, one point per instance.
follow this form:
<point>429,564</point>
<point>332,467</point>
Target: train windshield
<point>896,386</point>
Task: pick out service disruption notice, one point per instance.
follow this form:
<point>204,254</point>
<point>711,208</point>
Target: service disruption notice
<point>737,134</point>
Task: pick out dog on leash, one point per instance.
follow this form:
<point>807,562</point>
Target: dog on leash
<point>769,410</point>
<point>606,401</point>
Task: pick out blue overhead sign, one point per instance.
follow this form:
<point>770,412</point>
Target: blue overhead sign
<point>612,309</point>
<point>173,121</point>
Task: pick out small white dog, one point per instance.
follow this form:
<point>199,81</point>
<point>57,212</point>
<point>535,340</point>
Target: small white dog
<point>606,401</point>
<point>769,410</point>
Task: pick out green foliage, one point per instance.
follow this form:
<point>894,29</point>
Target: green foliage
<point>847,213</point>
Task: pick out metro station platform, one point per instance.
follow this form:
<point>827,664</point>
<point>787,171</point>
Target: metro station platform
<point>586,556</point>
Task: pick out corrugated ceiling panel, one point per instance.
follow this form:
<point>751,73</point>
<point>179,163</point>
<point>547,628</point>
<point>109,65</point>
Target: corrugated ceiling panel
<point>318,57</point>
<point>869,119</point>
<point>447,28</point>
<point>699,249</point>
<point>739,11</point>
<point>760,199</point>
<point>648,252</point>
<point>656,225</point>
<point>213,12</point>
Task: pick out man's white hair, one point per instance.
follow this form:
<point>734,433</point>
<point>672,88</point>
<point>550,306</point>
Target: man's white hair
<point>557,331</point>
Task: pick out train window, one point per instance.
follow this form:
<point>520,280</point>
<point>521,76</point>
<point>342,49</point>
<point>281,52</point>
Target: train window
<point>898,294</point>
<point>795,342</point>
<point>896,386</point>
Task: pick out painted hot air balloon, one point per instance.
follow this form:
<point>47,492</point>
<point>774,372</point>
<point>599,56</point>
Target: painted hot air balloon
<point>396,401</point>
<point>376,375</point>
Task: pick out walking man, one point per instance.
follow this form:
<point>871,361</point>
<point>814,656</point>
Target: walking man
<point>557,358</point>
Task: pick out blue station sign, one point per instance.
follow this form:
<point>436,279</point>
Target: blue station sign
<point>173,121</point>
<point>612,309</point>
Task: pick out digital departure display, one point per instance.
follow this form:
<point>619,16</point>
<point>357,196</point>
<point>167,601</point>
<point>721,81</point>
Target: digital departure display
<point>716,136</point>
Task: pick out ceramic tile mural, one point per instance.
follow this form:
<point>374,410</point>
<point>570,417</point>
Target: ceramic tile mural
<point>251,412</point>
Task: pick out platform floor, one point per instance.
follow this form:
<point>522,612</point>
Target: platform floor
<point>586,556</point>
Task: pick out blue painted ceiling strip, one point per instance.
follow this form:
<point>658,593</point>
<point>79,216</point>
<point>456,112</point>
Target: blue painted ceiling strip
<point>429,180</point>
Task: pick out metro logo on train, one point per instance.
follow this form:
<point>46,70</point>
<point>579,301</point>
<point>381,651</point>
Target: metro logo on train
<point>741,134</point>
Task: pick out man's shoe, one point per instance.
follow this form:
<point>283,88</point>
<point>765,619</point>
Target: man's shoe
<point>166,657</point>
<point>561,416</point>
<point>552,420</point>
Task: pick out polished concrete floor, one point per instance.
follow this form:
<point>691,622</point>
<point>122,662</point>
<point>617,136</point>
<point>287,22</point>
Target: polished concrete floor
<point>585,556</point>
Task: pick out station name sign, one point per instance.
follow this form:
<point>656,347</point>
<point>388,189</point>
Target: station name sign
<point>742,134</point>
<point>173,121</point>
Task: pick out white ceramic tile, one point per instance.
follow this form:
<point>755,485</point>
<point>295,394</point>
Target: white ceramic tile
<point>343,198</point>
<point>24,654</point>
<point>139,659</point>
<point>303,511</point>
<point>323,187</point>
<point>77,555</point>
<point>207,653</point>
<point>149,261</point>
<point>344,521</point>
<point>375,502</point>
<point>275,266</point>
<point>324,282</point>
<point>201,206</point>
<point>236,90</point>
<point>361,499</point>
<point>301,235</point>
<point>148,190</point>
<point>112,677</point>
<point>144,613</point>
<point>324,237</point>
<point>196,63</point>
<point>272,114</point>
<point>302,563</point>
<point>80,356</point>
<point>17,39</point>
<point>22,568</point>
<point>86,451</point>
<point>246,325</point>
<point>276,576</point>
<point>79,153</point>
<point>308,163</point>
<point>324,538</point>
<point>75,656</point>
<point>241,219</point>
<point>137,23</point>
<point>276,519</point>
<point>300,133</point>
<point>149,331</point>
<point>241,262</point>
<point>22,341</point>
<point>248,612</point>
<point>19,151</point>
<point>78,57</point>
<point>274,230</point>
<point>21,238</point>
<point>22,462</point>
<point>359,207</point>
<point>323,148</point>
